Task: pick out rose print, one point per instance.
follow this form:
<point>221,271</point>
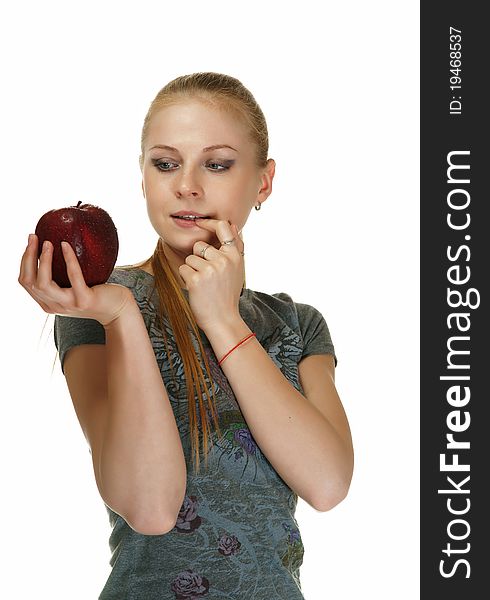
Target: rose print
<point>188,519</point>
<point>189,585</point>
<point>228,544</point>
<point>237,443</point>
<point>245,439</point>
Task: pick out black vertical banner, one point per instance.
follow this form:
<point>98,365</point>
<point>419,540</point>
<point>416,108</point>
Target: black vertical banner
<point>455,273</point>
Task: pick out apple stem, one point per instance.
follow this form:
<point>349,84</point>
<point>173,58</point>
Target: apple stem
<point>79,202</point>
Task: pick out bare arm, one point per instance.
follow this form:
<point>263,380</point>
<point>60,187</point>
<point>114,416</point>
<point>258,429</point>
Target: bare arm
<point>118,395</point>
<point>137,454</point>
<point>306,439</point>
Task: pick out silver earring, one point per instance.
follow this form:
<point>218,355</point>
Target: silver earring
<point>258,206</point>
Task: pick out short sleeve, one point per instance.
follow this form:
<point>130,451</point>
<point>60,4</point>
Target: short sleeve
<point>71,331</point>
<point>314,331</point>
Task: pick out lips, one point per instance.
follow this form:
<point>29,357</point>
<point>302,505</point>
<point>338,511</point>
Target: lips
<point>187,219</point>
<point>189,215</point>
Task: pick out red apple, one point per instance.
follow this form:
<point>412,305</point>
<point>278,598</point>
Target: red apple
<point>91,233</point>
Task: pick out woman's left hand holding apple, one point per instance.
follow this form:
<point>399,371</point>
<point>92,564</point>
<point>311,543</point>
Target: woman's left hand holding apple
<point>215,281</point>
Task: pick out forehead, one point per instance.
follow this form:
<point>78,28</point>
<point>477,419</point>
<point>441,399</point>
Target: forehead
<point>192,123</point>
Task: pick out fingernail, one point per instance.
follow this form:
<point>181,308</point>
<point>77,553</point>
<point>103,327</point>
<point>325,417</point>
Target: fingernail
<point>29,239</point>
<point>45,246</point>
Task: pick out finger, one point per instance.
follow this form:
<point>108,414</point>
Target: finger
<point>230,241</point>
<point>219,227</point>
<point>204,250</point>
<point>186,272</point>
<point>28,264</point>
<point>200,264</point>
<point>209,224</point>
<point>73,269</point>
<point>44,272</point>
<point>224,232</point>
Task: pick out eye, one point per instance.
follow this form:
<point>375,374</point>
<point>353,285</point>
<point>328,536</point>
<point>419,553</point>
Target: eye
<point>162,165</point>
<point>219,167</point>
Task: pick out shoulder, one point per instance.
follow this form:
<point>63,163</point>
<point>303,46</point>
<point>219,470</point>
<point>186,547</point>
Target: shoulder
<point>72,331</point>
<point>283,306</point>
<point>131,277</point>
<point>279,302</point>
<point>270,312</point>
<point>267,311</point>
<point>141,284</point>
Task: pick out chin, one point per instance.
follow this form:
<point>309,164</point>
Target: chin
<point>184,244</point>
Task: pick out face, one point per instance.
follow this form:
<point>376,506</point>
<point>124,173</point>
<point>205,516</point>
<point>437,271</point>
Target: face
<point>182,173</point>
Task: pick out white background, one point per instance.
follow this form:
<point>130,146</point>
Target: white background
<point>339,85</point>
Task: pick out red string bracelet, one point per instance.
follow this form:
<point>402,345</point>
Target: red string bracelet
<point>234,347</point>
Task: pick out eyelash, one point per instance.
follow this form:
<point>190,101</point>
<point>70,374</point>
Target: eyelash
<point>224,168</point>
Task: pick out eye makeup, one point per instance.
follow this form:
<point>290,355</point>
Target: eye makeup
<point>223,165</point>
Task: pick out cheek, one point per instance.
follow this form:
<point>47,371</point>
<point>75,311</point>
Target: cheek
<point>152,183</point>
<point>156,192</point>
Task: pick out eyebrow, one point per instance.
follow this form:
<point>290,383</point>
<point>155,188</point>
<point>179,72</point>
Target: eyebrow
<point>207,149</point>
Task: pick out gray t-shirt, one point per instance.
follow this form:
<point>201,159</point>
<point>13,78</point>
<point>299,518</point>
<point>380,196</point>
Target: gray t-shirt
<point>236,536</point>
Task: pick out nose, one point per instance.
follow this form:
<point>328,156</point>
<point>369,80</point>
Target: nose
<point>187,185</point>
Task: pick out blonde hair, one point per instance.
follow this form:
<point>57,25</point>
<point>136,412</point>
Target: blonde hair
<point>225,93</point>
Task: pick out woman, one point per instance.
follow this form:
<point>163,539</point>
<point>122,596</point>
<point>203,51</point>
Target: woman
<point>176,342</point>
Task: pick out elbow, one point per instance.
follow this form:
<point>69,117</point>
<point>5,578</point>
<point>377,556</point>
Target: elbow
<point>151,524</point>
<point>154,520</point>
<point>158,521</point>
<point>337,487</point>
<point>146,522</point>
<point>328,501</point>
<point>333,495</point>
<point>147,518</point>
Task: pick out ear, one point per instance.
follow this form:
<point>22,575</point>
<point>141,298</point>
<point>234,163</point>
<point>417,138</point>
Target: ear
<point>266,178</point>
